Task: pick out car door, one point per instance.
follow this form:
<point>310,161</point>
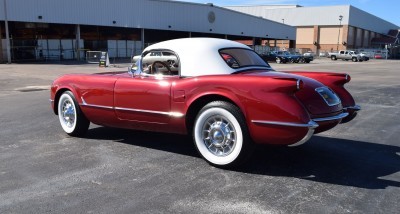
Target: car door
<point>146,97</point>
<point>143,99</point>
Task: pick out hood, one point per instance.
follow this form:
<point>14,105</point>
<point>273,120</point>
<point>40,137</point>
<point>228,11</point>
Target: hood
<point>317,98</point>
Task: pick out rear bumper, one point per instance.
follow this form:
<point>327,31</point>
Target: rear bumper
<point>353,111</point>
<point>311,126</point>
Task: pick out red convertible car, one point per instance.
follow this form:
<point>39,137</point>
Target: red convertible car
<point>219,91</point>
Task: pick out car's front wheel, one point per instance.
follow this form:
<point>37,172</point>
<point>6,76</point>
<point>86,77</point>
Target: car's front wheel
<point>221,135</point>
<point>71,118</point>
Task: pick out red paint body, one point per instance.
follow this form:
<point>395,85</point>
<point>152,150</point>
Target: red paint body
<point>162,104</point>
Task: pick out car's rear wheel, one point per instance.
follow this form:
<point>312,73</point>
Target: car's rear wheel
<point>71,118</point>
<point>333,58</point>
<point>221,136</point>
<point>278,60</point>
<point>354,59</point>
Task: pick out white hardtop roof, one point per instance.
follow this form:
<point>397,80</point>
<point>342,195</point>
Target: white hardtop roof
<point>199,56</point>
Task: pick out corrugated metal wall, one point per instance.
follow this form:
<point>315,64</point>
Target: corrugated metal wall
<point>369,22</point>
<point>149,14</point>
<point>327,15</point>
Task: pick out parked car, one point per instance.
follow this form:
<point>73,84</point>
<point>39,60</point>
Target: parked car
<point>307,57</point>
<point>364,56</point>
<point>270,57</point>
<point>323,54</point>
<point>228,101</point>
<point>309,53</point>
<point>286,56</point>
<point>346,55</point>
<point>380,55</point>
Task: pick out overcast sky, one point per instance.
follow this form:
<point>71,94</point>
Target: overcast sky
<point>388,10</point>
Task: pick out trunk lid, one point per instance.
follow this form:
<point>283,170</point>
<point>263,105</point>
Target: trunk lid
<point>317,98</point>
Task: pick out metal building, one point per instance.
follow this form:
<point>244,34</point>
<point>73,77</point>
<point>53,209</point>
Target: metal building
<point>60,29</point>
<point>327,28</point>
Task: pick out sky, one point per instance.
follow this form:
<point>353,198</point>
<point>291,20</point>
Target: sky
<point>385,9</point>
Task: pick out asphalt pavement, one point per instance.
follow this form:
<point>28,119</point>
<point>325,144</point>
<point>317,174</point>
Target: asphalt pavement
<point>353,168</point>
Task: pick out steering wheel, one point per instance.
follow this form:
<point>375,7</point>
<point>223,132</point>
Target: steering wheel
<point>154,68</point>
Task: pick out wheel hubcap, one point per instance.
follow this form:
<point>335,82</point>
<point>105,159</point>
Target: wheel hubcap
<point>219,136</point>
<point>68,113</point>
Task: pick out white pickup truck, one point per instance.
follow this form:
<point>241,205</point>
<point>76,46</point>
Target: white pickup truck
<point>346,55</point>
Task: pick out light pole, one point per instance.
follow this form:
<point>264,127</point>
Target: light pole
<point>283,21</point>
<point>340,26</point>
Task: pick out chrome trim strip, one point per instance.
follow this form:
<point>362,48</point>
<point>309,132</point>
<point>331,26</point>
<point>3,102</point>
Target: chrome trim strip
<point>355,108</point>
<point>95,106</point>
<point>337,117</point>
<point>310,124</point>
<point>143,111</point>
<point>171,114</point>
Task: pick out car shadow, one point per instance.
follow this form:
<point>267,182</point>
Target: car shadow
<point>322,159</point>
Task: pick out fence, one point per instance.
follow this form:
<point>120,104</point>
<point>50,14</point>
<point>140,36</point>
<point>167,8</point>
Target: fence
<point>261,49</point>
<point>371,53</point>
<point>65,49</point>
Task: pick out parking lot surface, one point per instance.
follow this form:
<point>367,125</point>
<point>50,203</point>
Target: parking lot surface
<point>353,168</point>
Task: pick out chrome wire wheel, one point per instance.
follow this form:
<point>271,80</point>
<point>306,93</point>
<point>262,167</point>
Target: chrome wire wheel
<point>219,135</point>
<point>67,113</point>
<point>70,115</point>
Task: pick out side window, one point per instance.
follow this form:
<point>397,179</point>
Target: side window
<point>241,57</point>
<point>160,63</point>
<point>341,52</point>
<point>232,62</point>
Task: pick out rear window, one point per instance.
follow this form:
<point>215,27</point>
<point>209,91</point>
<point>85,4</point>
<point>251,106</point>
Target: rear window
<point>239,58</point>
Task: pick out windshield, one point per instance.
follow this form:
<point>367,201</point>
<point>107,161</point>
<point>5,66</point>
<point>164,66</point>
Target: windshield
<point>240,58</point>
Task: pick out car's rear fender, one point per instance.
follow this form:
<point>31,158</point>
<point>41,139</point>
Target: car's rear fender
<point>265,99</point>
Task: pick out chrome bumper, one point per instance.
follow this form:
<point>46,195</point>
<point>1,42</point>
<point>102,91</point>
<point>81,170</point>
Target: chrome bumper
<point>337,117</point>
<point>311,125</point>
<point>354,108</point>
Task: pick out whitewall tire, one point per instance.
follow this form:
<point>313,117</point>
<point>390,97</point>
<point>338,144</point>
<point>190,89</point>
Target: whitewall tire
<point>71,118</point>
<point>221,136</point>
